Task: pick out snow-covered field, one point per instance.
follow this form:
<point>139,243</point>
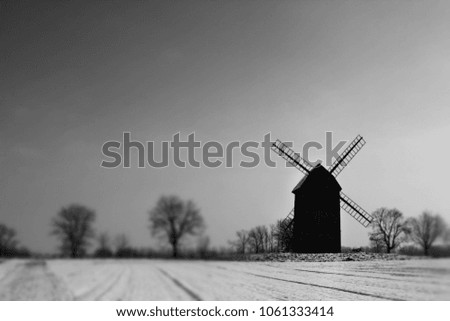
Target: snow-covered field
<point>217,280</point>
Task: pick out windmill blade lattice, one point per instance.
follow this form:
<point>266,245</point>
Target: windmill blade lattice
<point>356,211</point>
<point>346,156</point>
<point>287,222</point>
<point>292,157</point>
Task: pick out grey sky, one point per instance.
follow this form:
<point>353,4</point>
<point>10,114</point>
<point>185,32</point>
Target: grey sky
<point>74,75</point>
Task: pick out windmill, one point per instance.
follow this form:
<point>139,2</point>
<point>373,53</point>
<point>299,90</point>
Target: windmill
<point>318,199</point>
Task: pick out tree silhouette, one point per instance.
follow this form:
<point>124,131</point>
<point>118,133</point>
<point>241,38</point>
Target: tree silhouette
<point>273,244</point>
<point>284,234</point>
<point>173,219</point>
<point>426,229</point>
<point>104,246</point>
<point>8,242</point>
<point>388,228</point>
<point>203,246</point>
<point>73,227</point>
<point>123,247</point>
<point>121,242</point>
<point>242,242</point>
<point>258,238</point>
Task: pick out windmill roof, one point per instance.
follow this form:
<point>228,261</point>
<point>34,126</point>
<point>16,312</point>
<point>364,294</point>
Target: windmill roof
<point>299,183</point>
<point>319,174</point>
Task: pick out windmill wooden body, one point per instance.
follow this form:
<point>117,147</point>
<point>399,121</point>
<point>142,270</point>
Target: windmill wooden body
<point>318,199</point>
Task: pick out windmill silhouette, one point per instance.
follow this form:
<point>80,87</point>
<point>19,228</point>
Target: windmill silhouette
<point>318,199</point>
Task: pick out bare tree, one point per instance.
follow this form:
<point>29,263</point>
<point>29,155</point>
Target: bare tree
<point>121,242</point>
<point>388,228</point>
<point>104,240</point>
<point>203,246</point>
<point>242,242</point>
<point>272,238</point>
<point>426,229</point>
<point>123,247</point>
<point>174,219</point>
<point>253,241</point>
<point>377,243</point>
<point>284,235</point>
<point>73,226</point>
<point>263,234</point>
<point>258,239</point>
<point>8,242</point>
<point>104,246</point>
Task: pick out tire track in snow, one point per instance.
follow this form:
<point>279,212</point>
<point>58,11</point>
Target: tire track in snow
<point>370,276</point>
<point>101,289</point>
<point>261,289</point>
<point>328,287</point>
<point>191,293</point>
<point>114,283</point>
<point>4,275</point>
<point>353,275</point>
<point>33,280</point>
<point>293,282</point>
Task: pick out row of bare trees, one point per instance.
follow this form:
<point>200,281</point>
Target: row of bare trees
<point>259,239</point>
<point>172,220</point>
<point>119,246</point>
<point>390,229</point>
<point>263,239</point>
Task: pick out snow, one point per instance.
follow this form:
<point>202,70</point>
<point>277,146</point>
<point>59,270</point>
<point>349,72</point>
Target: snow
<point>224,280</point>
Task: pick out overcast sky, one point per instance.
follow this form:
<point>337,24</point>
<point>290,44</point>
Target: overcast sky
<point>74,75</point>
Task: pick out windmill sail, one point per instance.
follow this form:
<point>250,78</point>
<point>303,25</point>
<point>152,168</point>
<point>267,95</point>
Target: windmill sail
<point>287,222</point>
<point>292,157</point>
<point>350,152</point>
<point>356,211</point>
